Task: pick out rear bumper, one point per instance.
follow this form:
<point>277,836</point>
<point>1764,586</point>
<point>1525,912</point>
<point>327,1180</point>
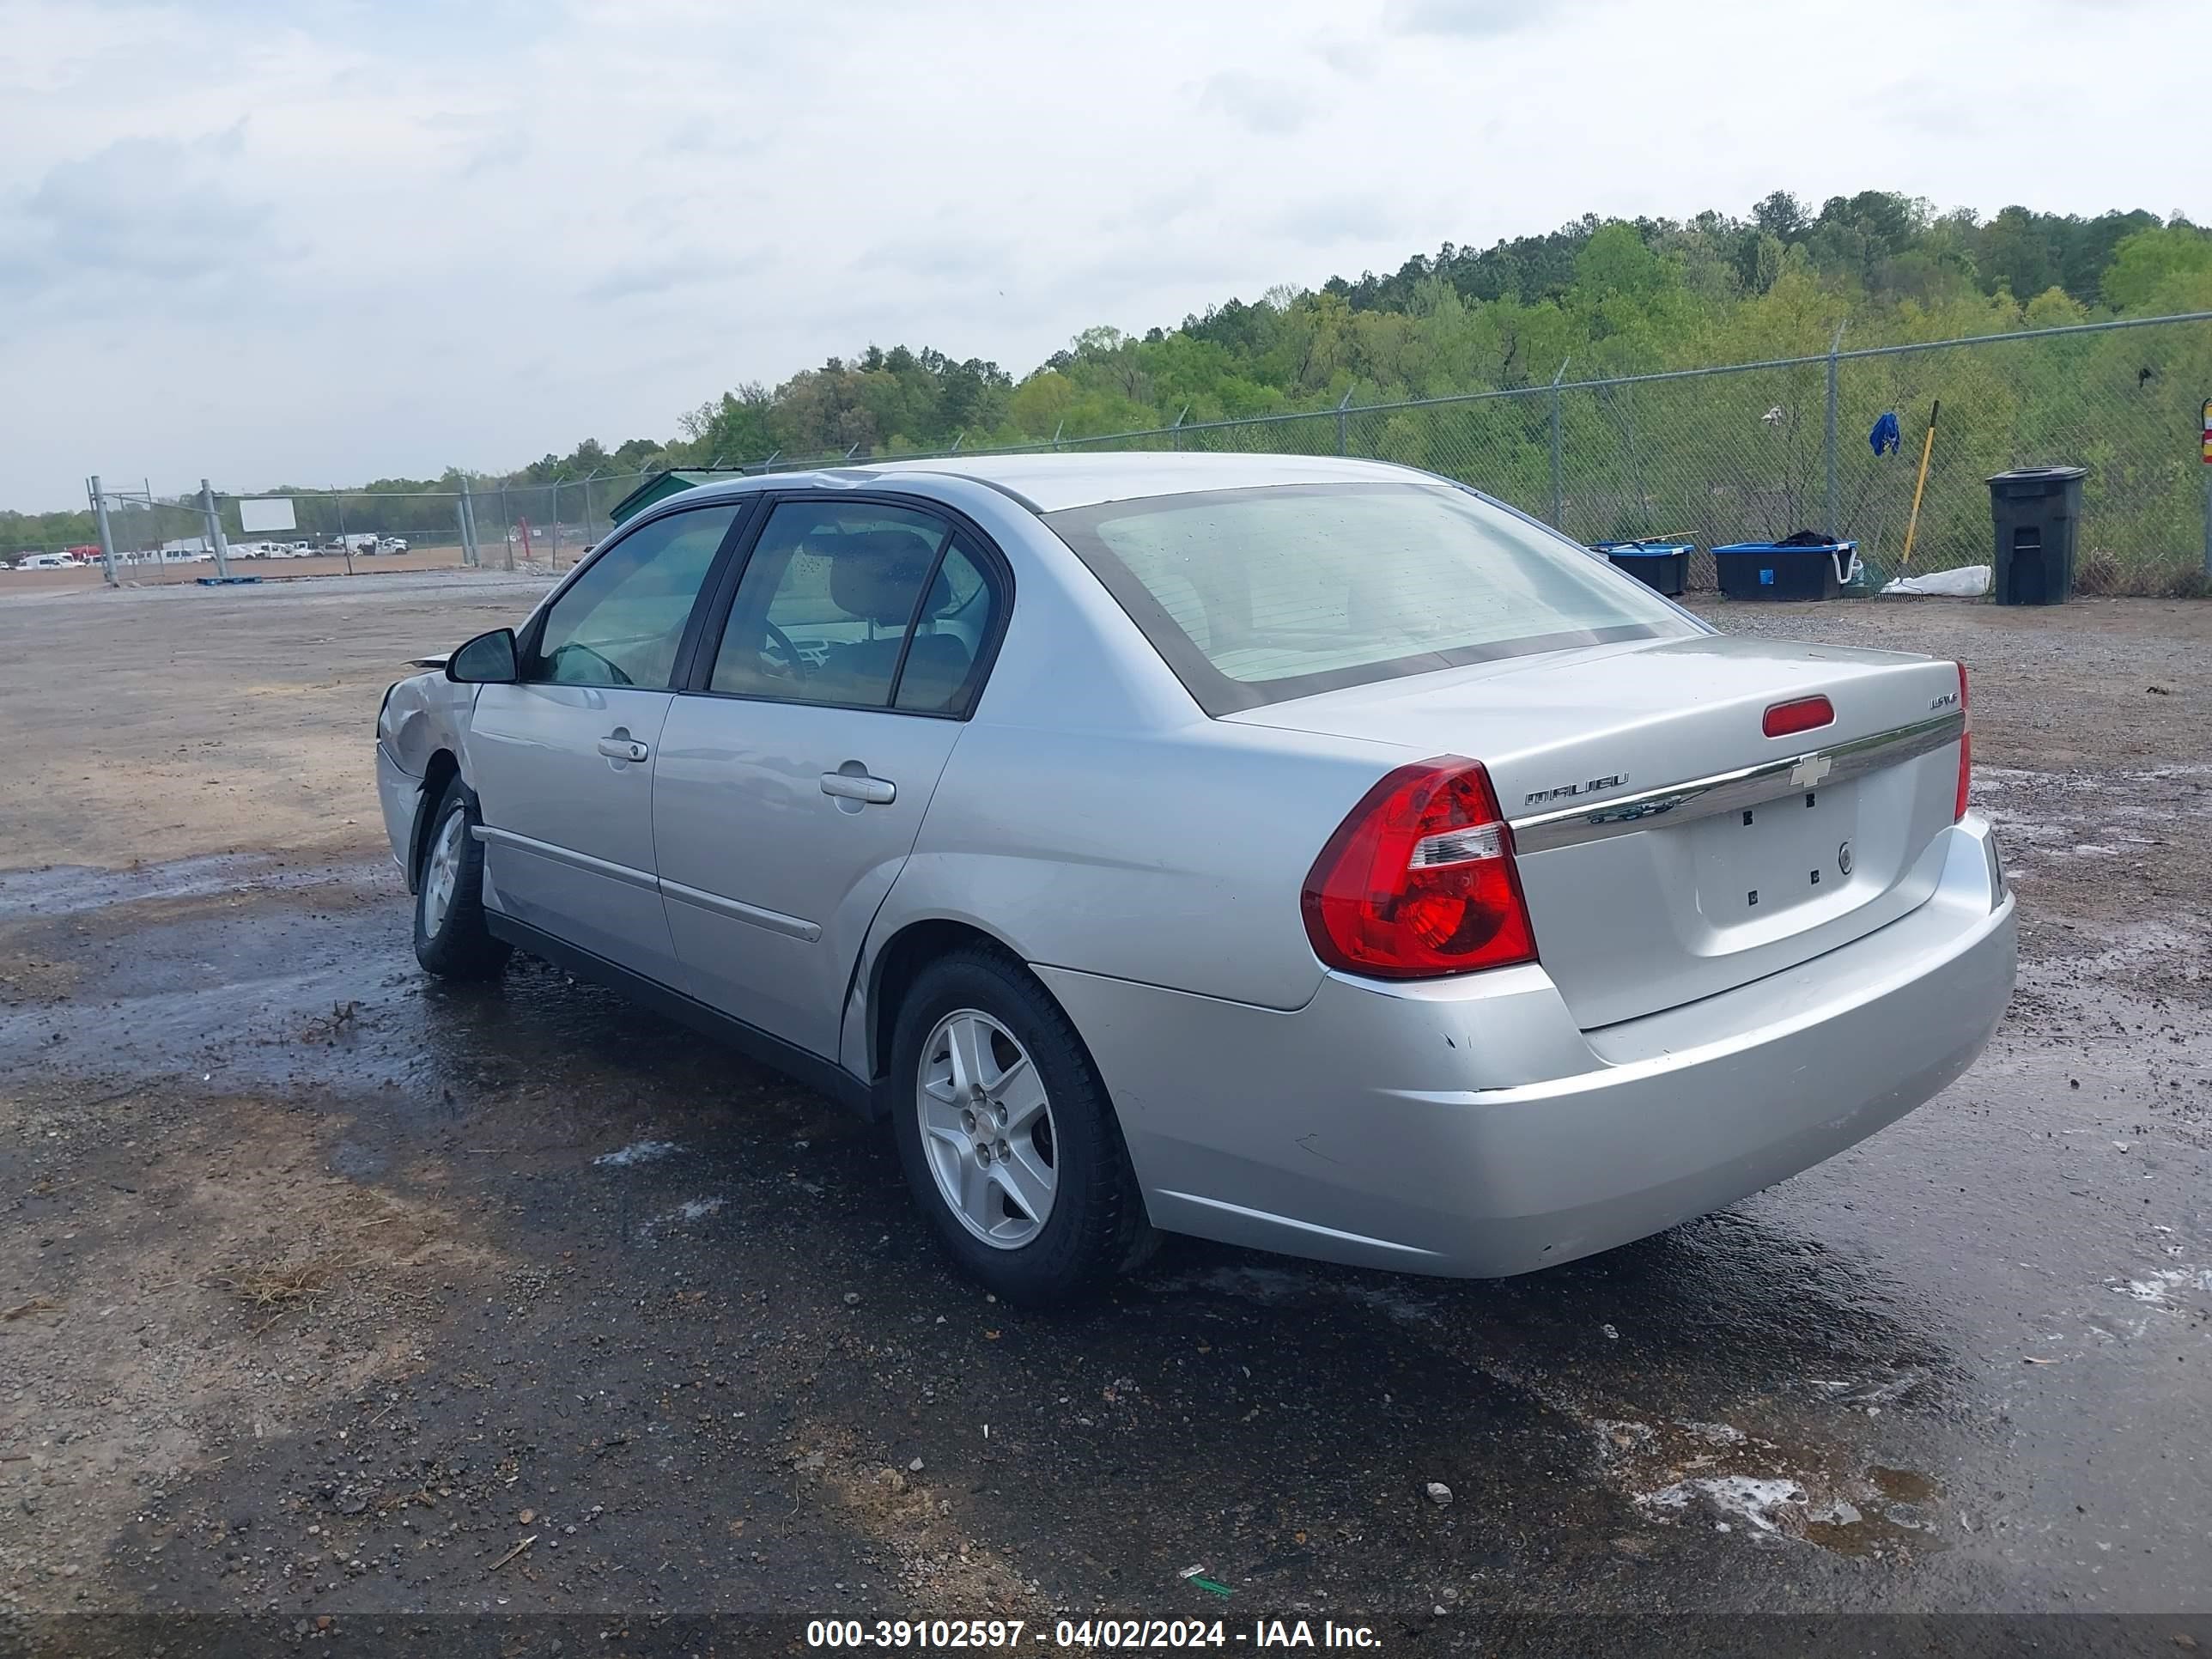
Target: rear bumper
<point>1468,1129</point>
<point>400,794</point>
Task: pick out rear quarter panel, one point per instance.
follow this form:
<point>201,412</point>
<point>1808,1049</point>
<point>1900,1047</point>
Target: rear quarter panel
<point>1092,817</point>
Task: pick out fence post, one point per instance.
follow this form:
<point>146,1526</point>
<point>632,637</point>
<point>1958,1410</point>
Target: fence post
<point>468,526</point>
<point>345,546</point>
<point>506,529</point>
<point>1828,437</point>
<point>1558,492</point>
<point>214,530</point>
<point>553,548</point>
<point>1344,424</point>
<point>107,536</point>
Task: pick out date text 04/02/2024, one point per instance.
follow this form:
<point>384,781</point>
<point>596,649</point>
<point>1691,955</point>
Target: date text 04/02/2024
<point>1147,1633</point>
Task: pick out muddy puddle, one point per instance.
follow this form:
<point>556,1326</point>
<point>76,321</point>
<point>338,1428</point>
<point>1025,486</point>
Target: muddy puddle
<point>531,1248</point>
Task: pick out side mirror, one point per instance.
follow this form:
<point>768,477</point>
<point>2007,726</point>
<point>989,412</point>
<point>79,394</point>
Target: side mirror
<point>487,659</point>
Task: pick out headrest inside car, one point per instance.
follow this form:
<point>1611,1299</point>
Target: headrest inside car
<point>873,574</point>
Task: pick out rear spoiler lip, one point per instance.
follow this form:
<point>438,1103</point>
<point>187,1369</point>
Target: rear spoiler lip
<point>1729,791</point>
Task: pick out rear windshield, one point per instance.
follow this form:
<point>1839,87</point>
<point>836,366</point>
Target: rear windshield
<point>1257,596</point>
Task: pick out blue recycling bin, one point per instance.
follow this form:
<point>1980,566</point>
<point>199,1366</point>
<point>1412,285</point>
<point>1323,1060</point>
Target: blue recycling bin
<point>1661,565</point>
<point>1784,570</point>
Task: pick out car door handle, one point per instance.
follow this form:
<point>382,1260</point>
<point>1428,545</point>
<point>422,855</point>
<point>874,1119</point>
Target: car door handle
<point>876,792</point>
<point>628,749</point>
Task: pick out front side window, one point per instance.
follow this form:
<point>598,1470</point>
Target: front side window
<point>621,620</point>
<point>842,602</point>
<point>1256,596</point>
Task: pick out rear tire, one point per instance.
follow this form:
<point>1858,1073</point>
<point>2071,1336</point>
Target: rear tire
<point>1007,1136</point>
<point>451,938</point>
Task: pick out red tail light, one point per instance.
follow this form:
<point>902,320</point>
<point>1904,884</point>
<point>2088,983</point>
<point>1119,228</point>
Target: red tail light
<point>1801,714</point>
<point>1966,750</point>
<point>1418,881</point>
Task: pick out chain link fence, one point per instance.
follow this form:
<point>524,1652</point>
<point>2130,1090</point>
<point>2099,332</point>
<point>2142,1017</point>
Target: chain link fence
<point>1757,451</point>
<point>1742,452</point>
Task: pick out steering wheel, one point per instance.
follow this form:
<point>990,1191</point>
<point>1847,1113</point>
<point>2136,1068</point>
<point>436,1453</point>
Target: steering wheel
<point>782,640</point>
<point>615,675</point>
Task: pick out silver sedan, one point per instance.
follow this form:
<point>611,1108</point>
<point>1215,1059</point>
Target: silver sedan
<point>1316,855</point>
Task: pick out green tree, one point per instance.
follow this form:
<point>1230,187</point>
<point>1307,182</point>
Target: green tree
<point>2167,268</point>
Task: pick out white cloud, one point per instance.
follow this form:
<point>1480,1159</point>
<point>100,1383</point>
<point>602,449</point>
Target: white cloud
<point>1257,104</point>
<point>1477,19</point>
<point>329,239</point>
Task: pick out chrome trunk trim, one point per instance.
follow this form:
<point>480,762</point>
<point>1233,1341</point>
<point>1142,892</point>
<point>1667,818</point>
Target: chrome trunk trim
<point>1730,792</point>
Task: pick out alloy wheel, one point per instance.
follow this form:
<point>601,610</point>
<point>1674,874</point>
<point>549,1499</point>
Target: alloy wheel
<point>442,871</point>
<point>987,1129</point>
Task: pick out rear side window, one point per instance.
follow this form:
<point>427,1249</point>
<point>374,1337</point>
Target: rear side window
<point>952,634</point>
<point>1257,596</point>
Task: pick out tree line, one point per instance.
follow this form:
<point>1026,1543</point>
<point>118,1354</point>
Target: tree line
<point>1609,296</point>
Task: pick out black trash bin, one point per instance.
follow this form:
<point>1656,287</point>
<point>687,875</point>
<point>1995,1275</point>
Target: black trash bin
<point>2036,511</point>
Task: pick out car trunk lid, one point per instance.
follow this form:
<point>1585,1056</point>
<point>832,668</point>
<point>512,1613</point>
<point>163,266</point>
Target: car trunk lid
<point>1668,848</point>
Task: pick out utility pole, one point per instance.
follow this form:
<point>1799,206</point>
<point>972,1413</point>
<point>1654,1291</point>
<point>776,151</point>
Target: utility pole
<point>107,536</point>
<point>214,530</point>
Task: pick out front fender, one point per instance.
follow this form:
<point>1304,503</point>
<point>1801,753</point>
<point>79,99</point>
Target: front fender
<point>424,717</point>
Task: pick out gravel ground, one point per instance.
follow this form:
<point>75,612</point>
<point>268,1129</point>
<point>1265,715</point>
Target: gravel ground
<point>337,1304</point>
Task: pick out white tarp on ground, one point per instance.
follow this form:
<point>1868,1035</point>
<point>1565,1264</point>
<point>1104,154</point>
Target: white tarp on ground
<point>1968,582</point>
<point>257,516</point>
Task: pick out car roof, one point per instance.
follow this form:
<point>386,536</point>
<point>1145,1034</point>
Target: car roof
<point>1054,481</point>
<point>1051,482</point>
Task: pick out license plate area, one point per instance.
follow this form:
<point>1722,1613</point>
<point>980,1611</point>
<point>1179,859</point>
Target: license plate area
<point>1761,862</point>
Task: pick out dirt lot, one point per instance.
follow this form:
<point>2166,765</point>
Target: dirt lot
<point>338,1305</point>
<point>163,722</point>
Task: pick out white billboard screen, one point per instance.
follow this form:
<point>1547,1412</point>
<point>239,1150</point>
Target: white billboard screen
<point>256,517</point>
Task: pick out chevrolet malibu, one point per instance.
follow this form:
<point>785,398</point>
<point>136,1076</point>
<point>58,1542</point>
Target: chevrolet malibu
<point>1316,855</point>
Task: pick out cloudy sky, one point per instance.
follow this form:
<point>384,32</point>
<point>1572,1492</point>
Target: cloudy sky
<point>317,242</point>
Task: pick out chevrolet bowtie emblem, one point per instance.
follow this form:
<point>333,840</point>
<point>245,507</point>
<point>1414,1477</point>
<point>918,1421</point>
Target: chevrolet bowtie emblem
<point>1810,771</point>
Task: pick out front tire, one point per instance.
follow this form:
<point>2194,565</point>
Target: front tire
<point>451,938</point>
<point>1007,1135</point>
